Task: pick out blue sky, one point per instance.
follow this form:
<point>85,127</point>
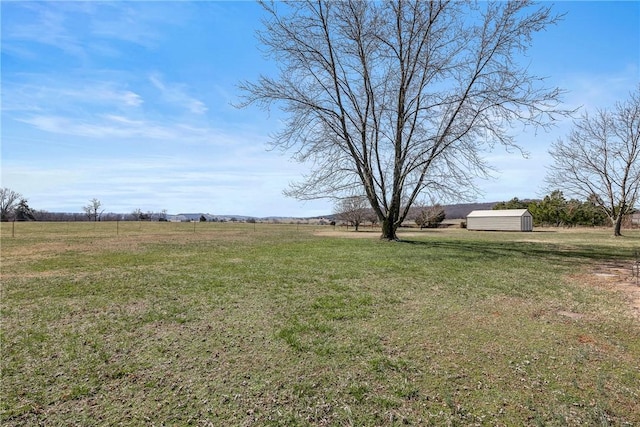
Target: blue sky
<point>131,103</point>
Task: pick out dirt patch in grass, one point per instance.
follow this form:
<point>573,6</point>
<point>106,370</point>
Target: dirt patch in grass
<point>616,276</point>
<point>348,233</point>
<point>365,233</point>
<point>571,314</point>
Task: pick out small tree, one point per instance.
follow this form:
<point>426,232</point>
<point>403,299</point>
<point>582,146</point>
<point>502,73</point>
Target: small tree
<point>550,210</point>
<point>371,217</point>
<point>137,214</point>
<point>23,212</point>
<point>600,159</point>
<point>430,216</point>
<point>92,210</point>
<point>8,201</point>
<point>352,210</point>
<point>598,216</point>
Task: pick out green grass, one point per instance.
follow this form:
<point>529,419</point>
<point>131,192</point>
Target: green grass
<point>236,324</point>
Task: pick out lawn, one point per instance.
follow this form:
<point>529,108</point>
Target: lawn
<point>266,324</point>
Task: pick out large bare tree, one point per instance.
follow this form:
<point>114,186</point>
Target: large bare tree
<point>600,159</point>
<point>399,99</point>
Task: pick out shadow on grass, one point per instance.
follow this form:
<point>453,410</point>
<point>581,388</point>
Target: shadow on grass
<point>492,250</point>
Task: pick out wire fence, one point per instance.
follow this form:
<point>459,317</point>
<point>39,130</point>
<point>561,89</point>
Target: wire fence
<point>132,228</point>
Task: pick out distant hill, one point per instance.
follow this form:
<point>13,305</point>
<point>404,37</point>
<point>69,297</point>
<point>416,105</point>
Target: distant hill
<point>461,210</point>
<point>457,211</point>
<point>192,216</point>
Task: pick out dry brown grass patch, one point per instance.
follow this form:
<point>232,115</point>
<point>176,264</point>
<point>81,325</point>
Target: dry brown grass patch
<point>615,276</point>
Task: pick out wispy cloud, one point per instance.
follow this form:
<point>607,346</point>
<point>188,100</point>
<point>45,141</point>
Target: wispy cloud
<point>596,90</point>
<point>121,21</point>
<point>114,126</point>
<point>177,95</point>
<point>80,29</point>
<point>46,25</point>
<point>42,93</point>
<point>107,108</point>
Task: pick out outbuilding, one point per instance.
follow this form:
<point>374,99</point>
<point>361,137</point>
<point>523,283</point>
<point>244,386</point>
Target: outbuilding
<point>500,220</point>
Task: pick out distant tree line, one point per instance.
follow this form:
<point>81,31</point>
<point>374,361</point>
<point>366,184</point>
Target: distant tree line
<point>15,207</point>
<point>554,210</point>
<point>42,215</point>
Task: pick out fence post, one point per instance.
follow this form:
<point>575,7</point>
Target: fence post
<point>636,267</point>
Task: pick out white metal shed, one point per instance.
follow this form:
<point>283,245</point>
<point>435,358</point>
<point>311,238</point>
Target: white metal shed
<point>500,220</point>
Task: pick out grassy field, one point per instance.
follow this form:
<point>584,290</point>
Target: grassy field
<point>242,324</point>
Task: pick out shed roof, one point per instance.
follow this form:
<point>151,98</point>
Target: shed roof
<point>498,213</point>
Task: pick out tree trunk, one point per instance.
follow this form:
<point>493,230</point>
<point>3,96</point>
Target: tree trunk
<point>389,228</point>
<point>617,226</point>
